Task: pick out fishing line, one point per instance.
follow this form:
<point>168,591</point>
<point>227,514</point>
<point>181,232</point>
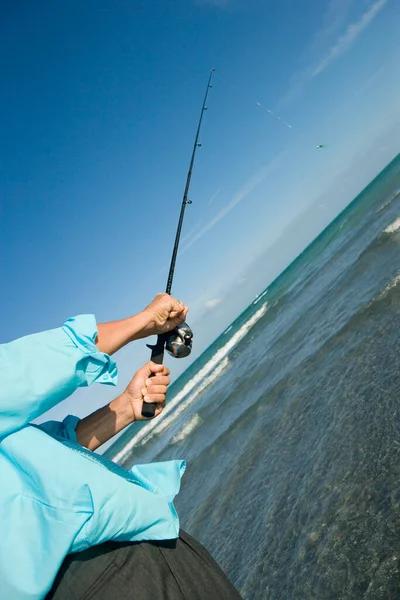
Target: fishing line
<point>253,101</point>
<point>273,115</point>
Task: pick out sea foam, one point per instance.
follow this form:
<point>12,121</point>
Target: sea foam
<point>393,227</point>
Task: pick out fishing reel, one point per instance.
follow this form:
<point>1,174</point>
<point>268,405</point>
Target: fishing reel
<point>179,341</point>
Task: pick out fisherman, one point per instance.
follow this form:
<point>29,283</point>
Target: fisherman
<point>74,525</point>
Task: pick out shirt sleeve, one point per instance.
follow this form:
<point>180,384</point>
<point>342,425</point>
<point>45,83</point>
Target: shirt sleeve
<point>65,429</point>
<point>40,370</point>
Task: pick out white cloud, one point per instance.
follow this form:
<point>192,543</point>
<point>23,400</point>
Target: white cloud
<point>213,303</point>
<point>345,41</point>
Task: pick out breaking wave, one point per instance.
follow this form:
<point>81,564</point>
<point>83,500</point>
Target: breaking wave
<point>188,428</point>
<point>394,283</point>
<point>258,298</point>
<point>393,227</point>
<point>395,195</point>
<point>186,396</point>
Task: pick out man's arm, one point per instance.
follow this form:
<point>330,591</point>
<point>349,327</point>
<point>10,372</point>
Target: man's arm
<point>103,424</point>
<point>163,314</point>
<point>41,370</point>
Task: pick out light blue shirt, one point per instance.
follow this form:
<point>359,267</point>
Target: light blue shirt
<point>55,496</point>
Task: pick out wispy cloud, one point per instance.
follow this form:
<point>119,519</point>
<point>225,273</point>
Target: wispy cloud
<point>191,232</point>
<point>345,41</point>
<point>334,20</point>
<point>247,188</point>
<point>183,240</point>
<point>214,196</point>
<point>213,303</point>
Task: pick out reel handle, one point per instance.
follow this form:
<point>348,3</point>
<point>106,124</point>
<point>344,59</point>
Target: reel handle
<point>157,356</point>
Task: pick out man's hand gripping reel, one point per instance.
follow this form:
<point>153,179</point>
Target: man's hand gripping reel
<point>178,343</point>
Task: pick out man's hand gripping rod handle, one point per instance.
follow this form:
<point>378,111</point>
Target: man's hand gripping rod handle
<point>157,356</point>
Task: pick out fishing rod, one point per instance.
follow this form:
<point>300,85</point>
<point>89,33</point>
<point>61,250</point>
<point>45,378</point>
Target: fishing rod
<point>178,342</point>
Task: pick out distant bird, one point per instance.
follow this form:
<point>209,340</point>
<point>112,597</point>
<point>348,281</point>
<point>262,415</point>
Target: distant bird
<point>320,146</point>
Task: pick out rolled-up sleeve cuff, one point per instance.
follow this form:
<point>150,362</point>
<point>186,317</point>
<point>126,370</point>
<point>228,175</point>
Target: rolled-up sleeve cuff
<point>98,367</point>
<point>65,429</point>
<point>70,423</point>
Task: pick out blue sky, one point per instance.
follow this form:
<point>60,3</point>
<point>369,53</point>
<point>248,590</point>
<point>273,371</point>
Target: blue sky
<point>99,104</point>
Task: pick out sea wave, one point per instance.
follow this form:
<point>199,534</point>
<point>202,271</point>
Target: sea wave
<point>381,239</point>
<point>395,195</point>
<point>392,284</point>
<point>181,405</point>
<point>258,298</point>
<point>183,399</point>
<point>375,300</point>
<point>188,428</point>
<point>393,227</point>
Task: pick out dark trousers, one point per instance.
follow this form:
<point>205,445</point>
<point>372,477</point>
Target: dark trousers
<point>179,569</point>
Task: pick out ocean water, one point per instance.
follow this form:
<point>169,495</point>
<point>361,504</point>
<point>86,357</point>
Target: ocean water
<point>290,421</point>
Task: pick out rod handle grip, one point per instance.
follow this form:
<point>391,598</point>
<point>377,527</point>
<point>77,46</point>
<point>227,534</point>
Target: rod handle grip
<point>157,357</point>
